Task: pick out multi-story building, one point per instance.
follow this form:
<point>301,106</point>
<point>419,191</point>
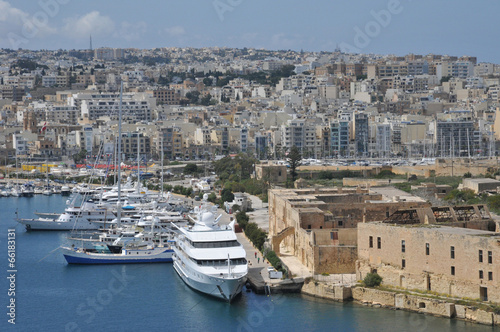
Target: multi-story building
<point>62,114</point>
<point>301,134</point>
<point>166,96</point>
<point>106,53</point>
<point>261,146</point>
<point>383,139</point>
<point>169,139</point>
<point>458,262</point>
<point>129,145</point>
<point>136,107</point>
<point>339,141</point>
<point>361,133</point>
<point>460,69</point>
<point>244,139</point>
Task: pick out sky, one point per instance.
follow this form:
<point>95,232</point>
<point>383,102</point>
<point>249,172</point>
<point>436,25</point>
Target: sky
<point>453,27</point>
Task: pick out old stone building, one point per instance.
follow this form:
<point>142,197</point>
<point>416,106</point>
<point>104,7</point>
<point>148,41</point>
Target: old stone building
<point>452,251</point>
<point>275,174</point>
<point>318,226</point>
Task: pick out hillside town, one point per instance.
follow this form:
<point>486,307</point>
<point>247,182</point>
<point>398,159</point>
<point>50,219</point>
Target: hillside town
<point>197,104</point>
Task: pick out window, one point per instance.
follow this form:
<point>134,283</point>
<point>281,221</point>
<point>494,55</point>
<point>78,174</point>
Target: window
<point>480,256</point>
<point>427,249</point>
<point>370,244</point>
<point>490,257</point>
<point>403,263</point>
<point>403,245</point>
<point>341,223</point>
<point>452,252</point>
<point>452,270</point>
<point>480,274</point>
<point>490,276</point>
<point>379,243</point>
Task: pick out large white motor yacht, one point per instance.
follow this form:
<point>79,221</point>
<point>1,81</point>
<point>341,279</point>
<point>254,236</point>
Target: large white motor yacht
<point>208,257</point>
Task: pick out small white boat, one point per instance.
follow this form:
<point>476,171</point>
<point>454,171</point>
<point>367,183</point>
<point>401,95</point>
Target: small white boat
<point>65,191</point>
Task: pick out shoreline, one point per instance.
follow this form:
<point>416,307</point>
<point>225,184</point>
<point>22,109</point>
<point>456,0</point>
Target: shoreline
<point>388,299</point>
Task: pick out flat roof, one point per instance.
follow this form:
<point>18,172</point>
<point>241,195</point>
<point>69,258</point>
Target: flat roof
<point>444,229</point>
<point>483,180</point>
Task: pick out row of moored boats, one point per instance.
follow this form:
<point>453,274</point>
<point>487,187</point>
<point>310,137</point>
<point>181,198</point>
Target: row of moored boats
<point>131,225</point>
<point>29,190</point>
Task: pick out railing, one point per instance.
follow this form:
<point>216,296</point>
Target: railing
<point>341,279</point>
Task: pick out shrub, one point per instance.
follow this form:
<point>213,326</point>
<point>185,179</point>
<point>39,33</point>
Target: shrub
<point>468,175</point>
<point>255,234</point>
<point>325,175</point>
<point>242,219</point>
<point>212,198</point>
<point>385,174</point>
<point>274,260</point>
<point>372,280</point>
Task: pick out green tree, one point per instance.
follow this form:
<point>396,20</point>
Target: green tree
<point>226,195</point>
<point>372,280</point>
<point>212,198</point>
<point>494,202</point>
<point>191,169</point>
<point>193,97</point>
<point>294,158</point>
<point>206,100</point>
<point>207,81</point>
<point>80,156</point>
<point>445,79</point>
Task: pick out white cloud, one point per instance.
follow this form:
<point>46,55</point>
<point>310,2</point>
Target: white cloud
<point>283,41</point>
<point>10,14</point>
<point>18,27</point>
<point>92,23</point>
<point>131,31</point>
<point>176,31</point>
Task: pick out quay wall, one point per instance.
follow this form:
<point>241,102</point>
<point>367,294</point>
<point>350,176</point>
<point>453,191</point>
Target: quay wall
<point>421,304</point>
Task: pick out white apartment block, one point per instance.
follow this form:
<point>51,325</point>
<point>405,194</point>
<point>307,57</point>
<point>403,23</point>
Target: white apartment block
<point>62,114</point>
<point>301,134</point>
<point>135,106</point>
<point>383,139</point>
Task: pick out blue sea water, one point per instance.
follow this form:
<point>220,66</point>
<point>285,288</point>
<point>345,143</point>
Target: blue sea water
<point>53,296</point>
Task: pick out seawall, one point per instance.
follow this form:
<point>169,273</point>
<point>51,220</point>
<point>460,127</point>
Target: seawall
<point>422,304</point>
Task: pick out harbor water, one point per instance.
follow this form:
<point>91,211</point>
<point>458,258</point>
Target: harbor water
<point>50,295</point>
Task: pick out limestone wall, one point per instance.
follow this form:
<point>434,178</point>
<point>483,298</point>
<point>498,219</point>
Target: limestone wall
<point>325,291</point>
<point>423,304</point>
<point>335,259</point>
<point>431,271</point>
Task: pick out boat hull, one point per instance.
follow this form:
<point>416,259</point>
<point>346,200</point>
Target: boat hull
<point>226,289</point>
<point>53,225</point>
<point>78,257</point>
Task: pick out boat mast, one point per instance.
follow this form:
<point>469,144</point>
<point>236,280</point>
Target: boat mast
<point>138,165</point>
<point>119,207</point>
<point>161,190</point>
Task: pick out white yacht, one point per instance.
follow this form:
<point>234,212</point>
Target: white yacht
<point>65,190</point>
<point>28,190</point>
<point>208,257</point>
<point>85,217</point>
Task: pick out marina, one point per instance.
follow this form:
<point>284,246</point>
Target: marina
<point>106,296</point>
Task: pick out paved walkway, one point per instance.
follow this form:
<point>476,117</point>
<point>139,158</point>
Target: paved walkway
<point>294,265</point>
<point>257,267</point>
